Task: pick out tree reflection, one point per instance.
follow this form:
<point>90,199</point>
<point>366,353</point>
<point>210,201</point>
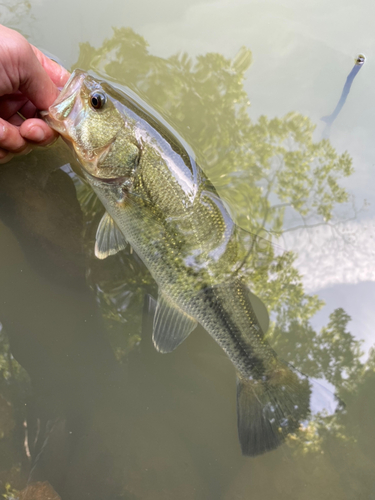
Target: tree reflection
<point>251,162</point>
<point>268,170</point>
<point>275,176</point>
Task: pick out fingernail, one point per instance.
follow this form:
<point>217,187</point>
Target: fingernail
<point>36,134</point>
<point>2,131</point>
<point>26,150</point>
<point>6,158</point>
<point>3,153</point>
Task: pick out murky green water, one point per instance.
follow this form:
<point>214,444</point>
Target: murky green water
<point>86,403</point>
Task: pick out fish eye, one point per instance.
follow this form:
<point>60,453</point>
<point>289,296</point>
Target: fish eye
<point>97,100</point>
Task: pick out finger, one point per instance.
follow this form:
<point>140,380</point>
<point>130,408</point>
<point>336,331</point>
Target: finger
<point>57,73</point>
<point>10,137</point>
<point>38,132</point>
<point>5,156</point>
<point>10,104</point>
<point>28,110</point>
<point>16,120</point>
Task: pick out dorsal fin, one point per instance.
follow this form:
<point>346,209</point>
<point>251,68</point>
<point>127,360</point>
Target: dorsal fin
<point>260,311</point>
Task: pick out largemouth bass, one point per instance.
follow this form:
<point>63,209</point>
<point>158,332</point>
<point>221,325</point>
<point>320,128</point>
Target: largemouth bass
<point>160,201</point>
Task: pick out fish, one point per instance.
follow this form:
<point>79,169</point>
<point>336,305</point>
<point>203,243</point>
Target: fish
<point>160,201</point>
<point>329,119</point>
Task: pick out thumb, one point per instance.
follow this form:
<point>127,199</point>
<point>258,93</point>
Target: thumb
<point>58,74</point>
<point>35,83</point>
<point>20,69</point>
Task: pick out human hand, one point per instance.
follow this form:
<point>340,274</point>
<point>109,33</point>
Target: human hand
<point>28,82</point>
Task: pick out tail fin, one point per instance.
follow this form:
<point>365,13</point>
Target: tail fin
<point>267,411</point>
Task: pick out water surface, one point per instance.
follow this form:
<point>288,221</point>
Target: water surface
<point>86,403</point>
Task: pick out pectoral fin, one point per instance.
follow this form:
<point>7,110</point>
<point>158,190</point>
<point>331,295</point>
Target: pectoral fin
<point>148,314</point>
<point>171,325</point>
<point>109,238</point>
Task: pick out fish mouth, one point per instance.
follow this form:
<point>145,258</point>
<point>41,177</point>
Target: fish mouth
<point>60,115</point>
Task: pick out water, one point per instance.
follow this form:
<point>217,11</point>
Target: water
<point>86,403</point>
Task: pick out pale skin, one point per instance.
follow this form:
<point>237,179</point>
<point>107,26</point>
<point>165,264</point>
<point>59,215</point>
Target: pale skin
<point>29,82</point>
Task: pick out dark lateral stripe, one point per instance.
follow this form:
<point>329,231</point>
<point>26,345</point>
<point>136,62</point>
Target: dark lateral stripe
<point>219,305</point>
